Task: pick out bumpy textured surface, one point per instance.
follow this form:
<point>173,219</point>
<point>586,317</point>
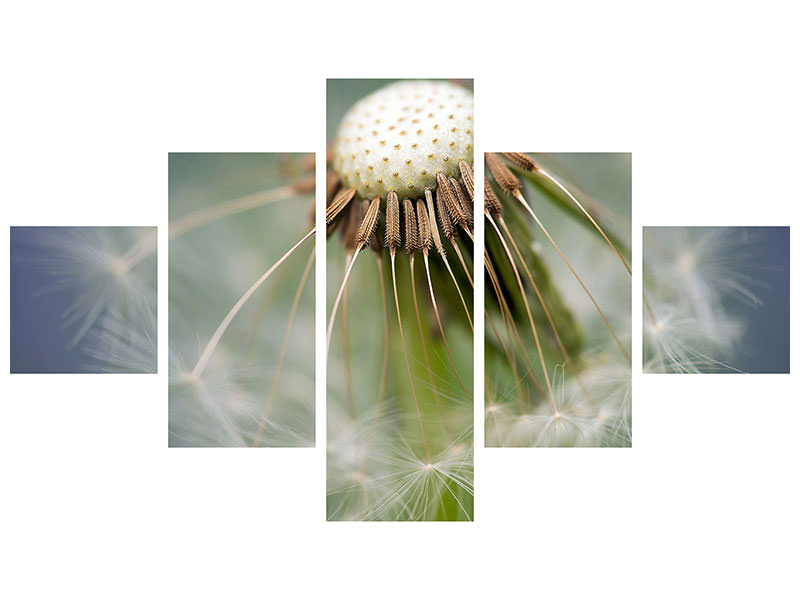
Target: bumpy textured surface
<point>399,137</point>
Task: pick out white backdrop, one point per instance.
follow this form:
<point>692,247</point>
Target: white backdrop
<point>94,504</point>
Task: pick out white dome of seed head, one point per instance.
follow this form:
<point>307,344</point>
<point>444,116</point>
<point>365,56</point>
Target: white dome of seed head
<point>399,137</point>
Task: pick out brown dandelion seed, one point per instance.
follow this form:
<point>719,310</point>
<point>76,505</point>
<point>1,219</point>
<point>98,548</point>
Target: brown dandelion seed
<point>490,200</point>
<point>449,199</point>
<point>425,239</point>
<point>521,160</point>
<point>468,178</point>
<point>370,222</point>
<point>392,237</point>
<point>444,219</point>
<point>338,204</point>
<point>502,174</point>
<point>412,234</point>
<point>463,202</point>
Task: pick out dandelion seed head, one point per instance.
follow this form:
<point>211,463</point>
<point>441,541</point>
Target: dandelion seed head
<point>410,158</point>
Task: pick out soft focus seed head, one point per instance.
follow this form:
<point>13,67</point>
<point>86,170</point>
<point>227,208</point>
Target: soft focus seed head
<point>401,136</point>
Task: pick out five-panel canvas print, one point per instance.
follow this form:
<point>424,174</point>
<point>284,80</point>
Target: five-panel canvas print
<point>404,193</point>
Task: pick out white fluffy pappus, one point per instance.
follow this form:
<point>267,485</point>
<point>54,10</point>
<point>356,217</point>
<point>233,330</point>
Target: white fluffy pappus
<point>374,474</point>
<point>694,277</point>
<point>111,274</point>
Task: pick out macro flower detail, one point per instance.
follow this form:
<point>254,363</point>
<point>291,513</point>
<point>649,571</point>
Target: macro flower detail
<point>554,284</point>
<point>401,136</point>
<point>401,190</point>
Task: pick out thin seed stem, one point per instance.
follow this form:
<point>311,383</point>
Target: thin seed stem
<point>203,216</point>
<point>422,336</point>
<point>527,309</point>
<point>202,362</point>
<point>273,388</point>
<point>139,251</point>
<point>649,309</point>
<point>439,323</point>
<point>564,352</point>
<point>585,212</point>
<point>458,289</point>
<point>511,359</point>
<point>385,369</point>
<point>463,263</point>
<point>346,347</point>
<point>352,262</point>
<point>525,205</point>
<point>408,364</point>
<point>511,327</point>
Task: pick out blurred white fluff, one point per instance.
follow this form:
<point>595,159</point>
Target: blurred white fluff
<point>374,474</point>
<point>690,276</point>
<point>111,271</point>
<point>593,412</point>
<point>225,407</point>
<point>228,403</point>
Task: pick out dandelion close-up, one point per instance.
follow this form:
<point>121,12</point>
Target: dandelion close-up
<point>515,320</point>
<point>558,281</point>
<point>83,300</point>
<point>716,299</point>
<point>399,213</point>
<point>241,300</point>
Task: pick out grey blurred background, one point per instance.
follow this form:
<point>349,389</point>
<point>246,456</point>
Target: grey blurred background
<point>767,326</point>
<point>39,341</point>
